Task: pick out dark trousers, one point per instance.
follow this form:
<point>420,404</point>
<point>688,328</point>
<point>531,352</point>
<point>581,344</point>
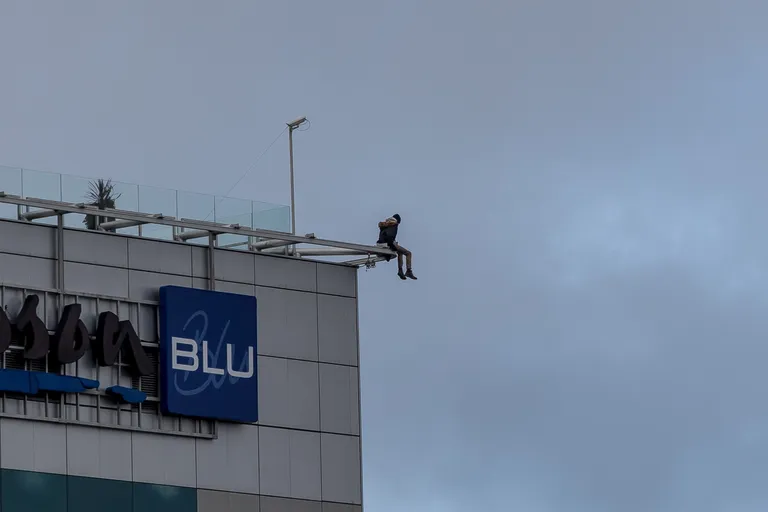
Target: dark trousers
<point>401,251</point>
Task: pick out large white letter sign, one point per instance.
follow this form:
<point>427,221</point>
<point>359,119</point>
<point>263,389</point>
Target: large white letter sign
<point>177,352</point>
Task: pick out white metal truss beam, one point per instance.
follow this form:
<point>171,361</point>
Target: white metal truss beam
<point>330,251</point>
<point>271,244</point>
<point>120,224</point>
<point>192,228</point>
<point>38,214</point>
<point>191,235</point>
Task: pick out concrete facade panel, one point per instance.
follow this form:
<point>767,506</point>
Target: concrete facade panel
<point>163,459</point>
<point>95,248</point>
<point>336,280</point>
<point>218,501</point>
<point>231,462</point>
<point>273,504</point>
<point>146,285</point>
<point>99,453</point>
<point>287,323</point>
<point>161,257</point>
<point>33,446</point>
<point>340,507</point>
<point>337,329</point>
<point>27,271</point>
<point>289,394</point>
<point>289,463</point>
<point>339,405</point>
<point>228,286</point>
<point>199,261</point>
<point>286,273</point>
<point>341,468</point>
<point>234,266</point>
<point>28,240</point>
<point>95,279</point>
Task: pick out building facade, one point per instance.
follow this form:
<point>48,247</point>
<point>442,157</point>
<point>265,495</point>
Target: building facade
<point>85,428</point>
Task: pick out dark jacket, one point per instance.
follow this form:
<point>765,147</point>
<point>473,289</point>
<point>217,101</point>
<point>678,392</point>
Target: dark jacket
<point>388,231</point>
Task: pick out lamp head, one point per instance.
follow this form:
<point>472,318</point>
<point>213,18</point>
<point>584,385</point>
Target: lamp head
<point>296,123</point>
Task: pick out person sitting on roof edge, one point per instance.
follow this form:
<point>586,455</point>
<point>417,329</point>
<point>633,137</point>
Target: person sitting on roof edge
<point>387,238</point>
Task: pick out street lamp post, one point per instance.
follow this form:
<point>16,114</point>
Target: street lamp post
<point>291,127</point>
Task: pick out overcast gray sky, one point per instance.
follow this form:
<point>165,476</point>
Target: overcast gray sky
<point>582,184</point>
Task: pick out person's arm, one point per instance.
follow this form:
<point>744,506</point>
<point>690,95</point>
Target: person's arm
<point>389,222</point>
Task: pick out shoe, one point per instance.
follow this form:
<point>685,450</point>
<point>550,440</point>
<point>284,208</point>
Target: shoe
<point>401,275</point>
<point>409,273</point>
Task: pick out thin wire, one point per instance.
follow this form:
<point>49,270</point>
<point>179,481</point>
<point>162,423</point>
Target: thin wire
<point>247,171</point>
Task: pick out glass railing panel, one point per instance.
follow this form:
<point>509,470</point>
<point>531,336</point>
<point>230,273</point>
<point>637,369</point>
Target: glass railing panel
<point>275,218</point>
<point>90,191</point>
<point>154,200</point>
<point>30,183</point>
<point>74,189</point>
<point>41,185</point>
<point>233,211</point>
<point>195,206</point>
<point>10,183</point>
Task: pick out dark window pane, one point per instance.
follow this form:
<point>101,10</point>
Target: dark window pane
<point>25,491</point>
<point>99,495</point>
<point>163,498</point>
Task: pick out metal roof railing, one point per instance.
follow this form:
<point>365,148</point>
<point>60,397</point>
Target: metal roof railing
<point>275,242</point>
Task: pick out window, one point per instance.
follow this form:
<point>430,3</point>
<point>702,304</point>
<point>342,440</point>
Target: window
<point>23,491</point>
<point>162,498</point>
<point>98,495</point>
<point>27,491</point>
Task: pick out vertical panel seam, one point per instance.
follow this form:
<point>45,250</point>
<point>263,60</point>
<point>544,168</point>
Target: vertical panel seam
<point>128,266</point>
<point>319,392</point>
<point>359,390</point>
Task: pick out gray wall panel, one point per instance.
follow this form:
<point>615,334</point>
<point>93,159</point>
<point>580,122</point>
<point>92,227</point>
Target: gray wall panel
<point>28,271</point>
<point>33,446</point>
<point>89,247</point>
<point>163,459</point>
<point>27,239</point>
<point>288,393</point>
<point>286,273</point>
<point>218,501</point>
<point>341,468</point>
<point>336,280</point>
<point>231,462</point>
<point>337,329</point>
<point>146,285</point>
<point>272,504</point>
<point>289,463</point>
<point>287,323</point>
<point>81,277</point>
<point>235,266</point>
<point>99,453</point>
<point>241,288</point>
<point>165,257</point>
<point>338,507</point>
<point>225,286</point>
<point>339,406</point>
<point>199,261</point>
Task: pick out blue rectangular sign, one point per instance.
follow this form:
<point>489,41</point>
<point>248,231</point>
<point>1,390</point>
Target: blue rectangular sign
<point>208,354</point>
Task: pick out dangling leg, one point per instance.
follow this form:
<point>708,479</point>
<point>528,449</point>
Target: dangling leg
<point>403,251</point>
<point>400,265</point>
<point>394,247</point>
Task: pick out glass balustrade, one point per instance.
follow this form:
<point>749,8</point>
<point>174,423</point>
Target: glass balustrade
<point>181,204</point>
